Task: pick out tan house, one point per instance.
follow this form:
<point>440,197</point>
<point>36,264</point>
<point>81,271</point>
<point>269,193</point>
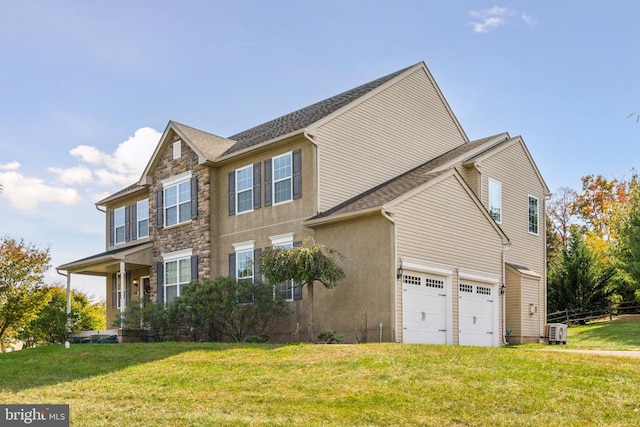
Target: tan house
<point>443,238</point>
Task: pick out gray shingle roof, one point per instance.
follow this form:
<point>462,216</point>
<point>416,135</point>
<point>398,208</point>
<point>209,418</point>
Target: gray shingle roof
<point>401,184</point>
<point>304,117</point>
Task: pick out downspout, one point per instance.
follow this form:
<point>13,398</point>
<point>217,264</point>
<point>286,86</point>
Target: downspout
<point>311,140</point>
<point>68,276</point>
<point>505,248</point>
<point>98,208</point>
<point>393,274</point>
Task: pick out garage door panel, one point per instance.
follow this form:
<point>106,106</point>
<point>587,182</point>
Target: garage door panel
<point>424,309</point>
<point>476,314</point>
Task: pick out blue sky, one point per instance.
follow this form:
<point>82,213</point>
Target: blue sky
<point>88,87</point>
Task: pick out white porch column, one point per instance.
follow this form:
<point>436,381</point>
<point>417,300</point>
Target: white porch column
<point>123,290</point>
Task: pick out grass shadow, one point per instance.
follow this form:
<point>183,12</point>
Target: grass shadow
<point>622,334</point>
<point>53,364</point>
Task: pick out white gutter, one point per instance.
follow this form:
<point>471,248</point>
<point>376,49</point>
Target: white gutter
<point>68,276</point>
<point>505,248</point>
<point>394,275</point>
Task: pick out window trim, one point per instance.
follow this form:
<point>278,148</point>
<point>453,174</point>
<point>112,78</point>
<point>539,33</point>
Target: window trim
<point>280,241</point>
<point>274,181</point>
<point>123,226</point>
<point>249,189</point>
<point>176,256</point>
<point>175,181</point>
<point>139,220</point>
<point>241,248</point>
<point>489,199</point>
<point>537,223</point>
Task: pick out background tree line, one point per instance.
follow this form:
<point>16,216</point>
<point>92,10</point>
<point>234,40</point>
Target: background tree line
<point>593,243</point>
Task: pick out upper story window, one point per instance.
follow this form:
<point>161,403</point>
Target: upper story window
<point>495,200</point>
<point>119,225</point>
<point>282,179</point>
<point>244,189</point>
<point>142,221</point>
<point>533,215</point>
<point>177,200</point>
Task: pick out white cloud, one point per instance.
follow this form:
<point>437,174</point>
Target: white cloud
<point>26,193</point>
<point>10,166</point>
<point>529,20</point>
<point>109,171</point>
<point>124,166</point>
<point>490,19</point>
<point>72,176</point>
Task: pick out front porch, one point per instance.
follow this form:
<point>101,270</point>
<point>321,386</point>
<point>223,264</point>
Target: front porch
<point>127,273</point>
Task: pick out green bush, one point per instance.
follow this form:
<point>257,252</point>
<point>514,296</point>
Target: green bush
<point>329,337</point>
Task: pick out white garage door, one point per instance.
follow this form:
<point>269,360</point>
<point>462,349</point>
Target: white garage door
<point>476,314</point>
<point>424,309</point>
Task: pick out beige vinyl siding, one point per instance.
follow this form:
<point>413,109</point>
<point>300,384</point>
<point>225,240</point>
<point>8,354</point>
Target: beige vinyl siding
<point>389,133</point>
<point>443,225</point>
<point>530,295</point>
<point>472,178</point>
<point>513,296</point>
<point>512,167</point>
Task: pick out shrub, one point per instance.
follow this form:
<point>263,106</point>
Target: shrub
<point>329,337</point>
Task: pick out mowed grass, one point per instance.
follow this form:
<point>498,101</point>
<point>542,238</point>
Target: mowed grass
<point>623,333</point>
<point>187,384</point>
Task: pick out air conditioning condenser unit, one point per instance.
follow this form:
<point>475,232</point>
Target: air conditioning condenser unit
<point>556,333</point>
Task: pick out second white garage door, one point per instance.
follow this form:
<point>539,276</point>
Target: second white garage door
<point>477,317</point>
<point>424,308</point>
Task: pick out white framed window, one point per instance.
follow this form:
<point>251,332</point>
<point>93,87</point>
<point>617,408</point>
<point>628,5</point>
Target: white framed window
<point>495,200</point>
<point>142,219</point>
<point>119,225</point>
<point>177,273</point>
<point>119,289</point>
<point>284,241</point>
<point>282,178</point>
<point>177,150</point>
<point>177,199</point>
<point>533,215</point>
<point>244,189</point>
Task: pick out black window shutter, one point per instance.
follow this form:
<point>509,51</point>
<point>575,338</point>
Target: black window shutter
<point>194,197</point>
<point>111,227</point>
<point>268,191</point>
<point>297,288</point>
<point>159,208</point>
<point>194,268</point>
<point>134,221</point>
<point>257,195</point>
<point>232,264</point>
<point>232,193</point>
<point>257,268</point>
<point>297,174</point>
<point>127,223</point>
<point>160,282</point>
<point>114,291</point>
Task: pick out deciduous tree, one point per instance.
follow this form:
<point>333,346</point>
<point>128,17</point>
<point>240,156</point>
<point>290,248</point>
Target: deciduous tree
<point>304,265</point>
<point>50,326</point>
<point>22,268</point>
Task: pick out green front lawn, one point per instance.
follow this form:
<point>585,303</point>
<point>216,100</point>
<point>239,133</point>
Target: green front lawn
<point>186,384</point>
<point>621,334</point>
